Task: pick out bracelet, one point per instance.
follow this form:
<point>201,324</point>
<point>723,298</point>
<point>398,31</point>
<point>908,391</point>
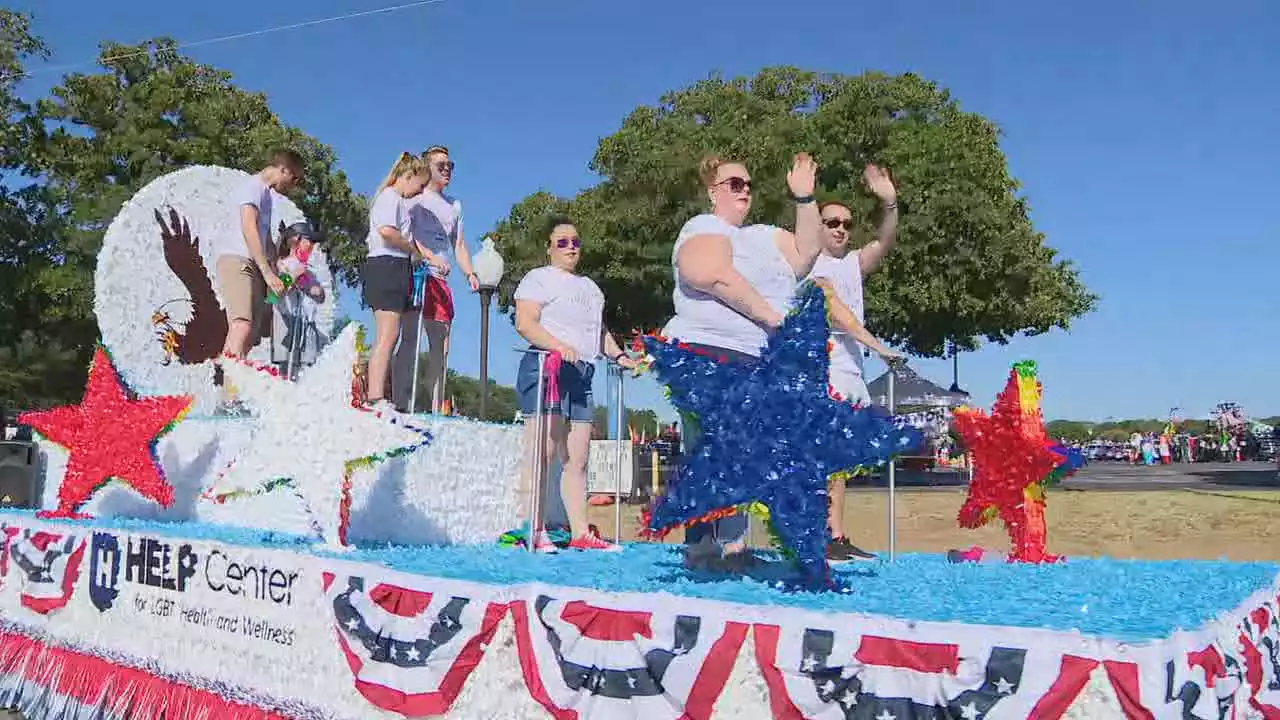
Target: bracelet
<point>891,206</point>
<point>619,356</point>
<point>802,199</point>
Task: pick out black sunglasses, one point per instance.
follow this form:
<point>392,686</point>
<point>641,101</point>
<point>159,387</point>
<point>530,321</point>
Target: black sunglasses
<point>834,223</point>
<point>446,165</point>
<point>563,243</point>
<point>736,184</point>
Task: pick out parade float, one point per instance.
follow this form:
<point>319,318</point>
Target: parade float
<point>316,560</point>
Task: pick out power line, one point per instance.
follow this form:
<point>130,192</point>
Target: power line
<point>228,38</point>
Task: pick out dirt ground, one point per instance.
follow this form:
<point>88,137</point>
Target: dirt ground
<point>1151,525</point>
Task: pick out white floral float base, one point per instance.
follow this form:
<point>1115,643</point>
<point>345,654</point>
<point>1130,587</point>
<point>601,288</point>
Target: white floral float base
<point>143,619</point>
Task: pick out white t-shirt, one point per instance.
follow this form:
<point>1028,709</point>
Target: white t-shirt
<point>845,275</point>
<point>390,208</point>
<point>701,317</point>
<point>572,307</point>
<point>253,191</point>
<point>436,223</point>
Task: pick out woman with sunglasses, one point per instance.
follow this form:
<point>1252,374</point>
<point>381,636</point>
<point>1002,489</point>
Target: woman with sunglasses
<point>840,271</point>
<point>562,313</point>
<point>436,225</point>
<point>734,284</point>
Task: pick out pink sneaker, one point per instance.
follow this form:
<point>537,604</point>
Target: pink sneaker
<point>591,542</point>
<point>542,544</point>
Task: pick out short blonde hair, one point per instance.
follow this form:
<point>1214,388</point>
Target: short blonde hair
<point>708,168</point>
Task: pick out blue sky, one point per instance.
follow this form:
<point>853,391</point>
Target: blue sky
<point>1145,134</point>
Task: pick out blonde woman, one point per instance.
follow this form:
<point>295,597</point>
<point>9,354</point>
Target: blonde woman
<point>734,284</point>
<point>437,228</point>
<point>388,272</point>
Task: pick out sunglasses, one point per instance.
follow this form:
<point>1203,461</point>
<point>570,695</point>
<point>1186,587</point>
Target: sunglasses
<point>736,185</point>
<point>563,243</point>
<point>834,223</point>
<point>443,166</point>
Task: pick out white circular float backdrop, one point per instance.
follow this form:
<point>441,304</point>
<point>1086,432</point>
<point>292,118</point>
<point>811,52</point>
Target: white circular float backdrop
<point>132,279</point>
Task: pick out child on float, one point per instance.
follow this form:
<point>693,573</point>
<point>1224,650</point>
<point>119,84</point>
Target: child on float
<point>388,270</point>
<point>561,313</point>
<point>300,303</point>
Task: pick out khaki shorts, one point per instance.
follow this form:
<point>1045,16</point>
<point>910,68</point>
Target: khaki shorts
<point>244,292</point>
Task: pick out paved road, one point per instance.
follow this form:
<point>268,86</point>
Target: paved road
<point>1122,476</point>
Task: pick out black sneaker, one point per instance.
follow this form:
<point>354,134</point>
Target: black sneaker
<point>841,550</point>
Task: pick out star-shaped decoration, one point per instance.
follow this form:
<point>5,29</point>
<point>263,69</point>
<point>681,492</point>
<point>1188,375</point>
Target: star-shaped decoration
<point>111,434</point>
<point>970,711</point>
<point>1004,687</point>
<point>886,715</point>
<point>770,433</point>
<point>1012,459</point>
<point>310,434</point>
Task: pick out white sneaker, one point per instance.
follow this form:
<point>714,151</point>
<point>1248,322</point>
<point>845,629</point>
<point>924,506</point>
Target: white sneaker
<point>381,407</point>
<point>542,544</point>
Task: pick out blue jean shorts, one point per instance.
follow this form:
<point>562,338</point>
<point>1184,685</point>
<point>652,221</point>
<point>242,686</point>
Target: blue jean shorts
<point>575,404</point>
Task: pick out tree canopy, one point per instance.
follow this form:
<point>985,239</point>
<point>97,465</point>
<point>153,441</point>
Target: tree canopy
<point>76,155</point>
<point>969,264</point>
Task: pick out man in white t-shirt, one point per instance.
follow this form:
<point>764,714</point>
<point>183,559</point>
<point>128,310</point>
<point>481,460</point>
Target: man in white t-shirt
<point>842,269</point>
<point>245,259</point>
<point>436,225</point>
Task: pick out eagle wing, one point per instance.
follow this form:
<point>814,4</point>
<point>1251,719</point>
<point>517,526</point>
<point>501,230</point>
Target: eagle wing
<point>206,331</point>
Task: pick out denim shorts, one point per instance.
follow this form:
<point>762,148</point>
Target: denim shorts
<point>575,403</point>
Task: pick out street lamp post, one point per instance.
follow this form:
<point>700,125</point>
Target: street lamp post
<point>489,266</point>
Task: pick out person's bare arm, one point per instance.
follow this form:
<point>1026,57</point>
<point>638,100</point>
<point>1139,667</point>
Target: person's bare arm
<point>529,327</point>
<point>392,236</point>
<point>254,240</point>
<point>871,254</point>
<point>464,256</point>
<point>842,317</point>
<point>706,263</point>
<point>802,247</point>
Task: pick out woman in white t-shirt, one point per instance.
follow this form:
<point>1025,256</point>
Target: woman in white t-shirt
<point>559,311</point>
<point>734,284</point>
<point>388,272</point>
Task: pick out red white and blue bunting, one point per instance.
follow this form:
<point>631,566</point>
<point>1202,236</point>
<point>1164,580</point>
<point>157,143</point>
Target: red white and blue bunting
<point>191,628</point>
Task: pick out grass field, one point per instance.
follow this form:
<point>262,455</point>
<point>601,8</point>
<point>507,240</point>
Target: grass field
<point>1152,525</point>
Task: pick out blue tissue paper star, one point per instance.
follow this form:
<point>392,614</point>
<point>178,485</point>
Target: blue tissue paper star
<point>770,433</point>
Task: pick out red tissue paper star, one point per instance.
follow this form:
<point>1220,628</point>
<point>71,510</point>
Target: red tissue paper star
<point>110,434</point>
<point>1011,463</point>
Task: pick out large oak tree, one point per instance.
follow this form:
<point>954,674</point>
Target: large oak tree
<point>969,264</point>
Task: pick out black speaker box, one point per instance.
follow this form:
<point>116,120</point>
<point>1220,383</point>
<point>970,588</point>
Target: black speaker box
<point>18,474</point>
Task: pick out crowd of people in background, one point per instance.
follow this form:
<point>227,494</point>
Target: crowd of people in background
<point>1164,448</point>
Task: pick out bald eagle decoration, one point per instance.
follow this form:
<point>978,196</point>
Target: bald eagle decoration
<point>202,336</point>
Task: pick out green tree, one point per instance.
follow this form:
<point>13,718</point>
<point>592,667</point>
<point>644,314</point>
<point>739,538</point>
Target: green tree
<point>154,111</point>
<point>1071,430</point>
<point>969,265</point>
<point>638,419</point>
<point>37,368</point>
<point>464,393</point>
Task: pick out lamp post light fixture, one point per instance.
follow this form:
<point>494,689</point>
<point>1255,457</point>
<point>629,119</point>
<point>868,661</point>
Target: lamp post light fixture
<point>488,266</point>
